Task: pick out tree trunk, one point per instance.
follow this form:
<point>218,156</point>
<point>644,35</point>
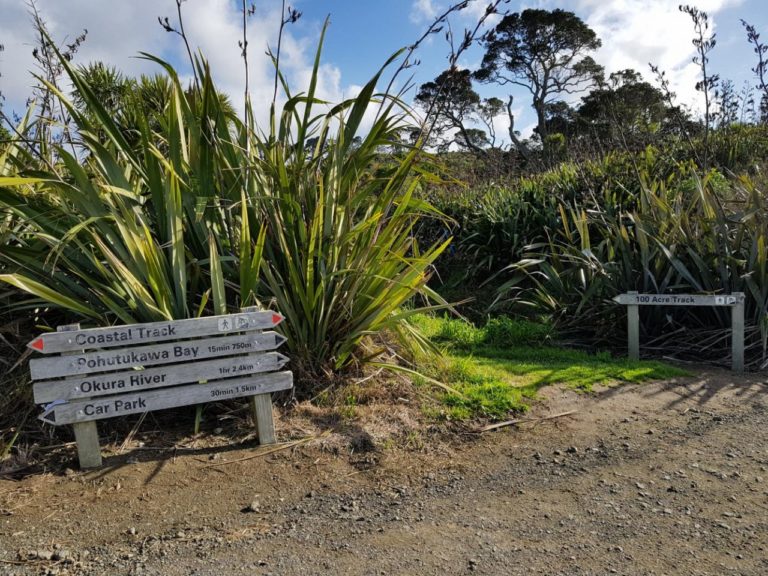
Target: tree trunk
<point>512,136</point>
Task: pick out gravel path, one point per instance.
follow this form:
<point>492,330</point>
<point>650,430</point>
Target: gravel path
<point>666,478</point>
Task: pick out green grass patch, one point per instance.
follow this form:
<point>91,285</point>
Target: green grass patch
<point>495,369</point>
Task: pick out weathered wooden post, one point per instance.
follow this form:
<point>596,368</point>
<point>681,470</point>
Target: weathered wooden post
<point>633,329</point>
<point>261,408</point>
<point>86,433</point>
<point>737,333</point>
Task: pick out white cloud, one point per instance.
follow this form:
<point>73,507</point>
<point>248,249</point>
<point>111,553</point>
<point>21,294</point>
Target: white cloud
<point>476,10</point>
<point>638,32</point>
<point>116,32</point>
<point>426,11</point>
<point>423,11</point>
<point>119,30</point>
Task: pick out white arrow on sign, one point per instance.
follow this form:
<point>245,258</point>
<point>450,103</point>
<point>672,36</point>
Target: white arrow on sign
<point>138,356</point>
<point>108,383</point>
<point>125,404</point>
<point>153,332</point>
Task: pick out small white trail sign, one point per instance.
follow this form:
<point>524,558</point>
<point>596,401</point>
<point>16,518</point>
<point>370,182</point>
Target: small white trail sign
<point>630,299</point>
<point>127,372</point>
<point>733,301</point>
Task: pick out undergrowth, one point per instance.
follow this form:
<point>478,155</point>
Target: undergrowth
<point>498,368</point>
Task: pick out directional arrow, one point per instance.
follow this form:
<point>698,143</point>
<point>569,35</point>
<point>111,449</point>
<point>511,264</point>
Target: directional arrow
<point>109,383</point>
<point>134,403</point>
<point>153,355</point>
<point>115,336</point>
<point>282,360</point>
<point>49,414</point>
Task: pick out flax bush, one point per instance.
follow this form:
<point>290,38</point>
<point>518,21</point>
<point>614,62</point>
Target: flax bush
<point>190,210</point>
<point>685,231</point>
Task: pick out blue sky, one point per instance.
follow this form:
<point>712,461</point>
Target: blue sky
<point>363,33</point>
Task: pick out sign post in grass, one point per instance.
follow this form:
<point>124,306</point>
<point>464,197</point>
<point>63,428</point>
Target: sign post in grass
<point>107,372</point>
<point>735,301</point>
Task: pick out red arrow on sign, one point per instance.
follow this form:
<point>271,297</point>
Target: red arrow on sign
<point>276,319</point>
<point>37,344</point>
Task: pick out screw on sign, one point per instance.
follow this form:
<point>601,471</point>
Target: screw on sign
<point>121,370</point>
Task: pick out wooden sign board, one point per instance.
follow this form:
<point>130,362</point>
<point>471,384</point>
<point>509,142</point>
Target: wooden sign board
<point>125,404</point>
<point>184,351</point>
<point>154,366</point>
<point>735,302</point>
<point>109,383</point>
<point>632,299</point>
<point>135,334</point>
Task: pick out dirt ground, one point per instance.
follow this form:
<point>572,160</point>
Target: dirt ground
<point>662,478</point>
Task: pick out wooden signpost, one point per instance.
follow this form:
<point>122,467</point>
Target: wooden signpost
<point>108,372</point>
<point>735,301</point>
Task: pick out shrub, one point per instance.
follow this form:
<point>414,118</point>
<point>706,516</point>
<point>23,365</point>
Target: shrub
<point>684,232</point>
<point>497,332</point>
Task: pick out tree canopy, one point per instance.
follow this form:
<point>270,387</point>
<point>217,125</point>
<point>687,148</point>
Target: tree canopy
<point>624,110</point>
<point>449,100</point>
<point>545,52</point>
<point>452,107</point>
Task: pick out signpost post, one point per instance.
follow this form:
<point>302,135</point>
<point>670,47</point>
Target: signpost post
<point>261,412</point>
<point>735,301</point>
<point>86,433</point>
<point>107,372</point>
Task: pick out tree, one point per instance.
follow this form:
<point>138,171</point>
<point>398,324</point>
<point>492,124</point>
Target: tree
<point>110,86</point>
<point>452,106</point>
<point>132,102</point>
<point>561,119</point>
<point>488,110</point>
<point>4,134</point>
<point>449,100</point>
<point>624,111</point>
<point>728,105</point>
<point>545,52</point>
